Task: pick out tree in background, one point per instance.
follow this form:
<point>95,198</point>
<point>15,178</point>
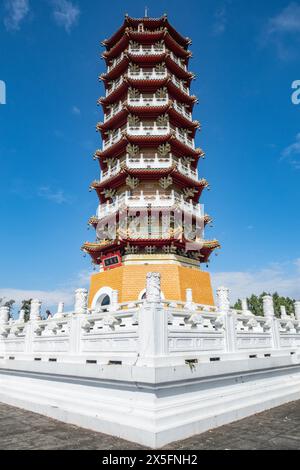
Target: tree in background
<point>255,304</point>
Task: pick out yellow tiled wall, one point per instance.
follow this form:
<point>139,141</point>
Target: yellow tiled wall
<point>131,280</point>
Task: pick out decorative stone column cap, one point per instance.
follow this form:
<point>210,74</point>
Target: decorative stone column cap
<point>35,309</point>
<point>4,314</point>
<point>223,299</point>
<point>60,310</point>
<point>297,310</point>
<point>268,306</point>
<point>283,312</point>
<point>81,301</point>
<point>153,288</point>
<point>22,316</point>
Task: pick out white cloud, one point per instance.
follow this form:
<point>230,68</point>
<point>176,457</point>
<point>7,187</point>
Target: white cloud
<point>49,298</point>
<point>58,197</point>
<point>66,14</point>
<point>292,153</point>
<point>283,31</point>
<point>16,12</point>
<point>287,21</point>
<point>76,111</point>
<point>220,23</point>
<point>281,278</point>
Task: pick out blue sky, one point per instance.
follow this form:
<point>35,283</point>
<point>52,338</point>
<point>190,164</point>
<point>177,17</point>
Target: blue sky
<point>246,56</point>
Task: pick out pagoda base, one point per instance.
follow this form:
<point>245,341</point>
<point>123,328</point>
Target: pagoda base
<point>129,280</point>
<point>151,406</point>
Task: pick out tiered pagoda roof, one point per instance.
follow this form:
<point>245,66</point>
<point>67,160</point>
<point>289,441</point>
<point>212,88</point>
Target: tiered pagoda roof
<point>148,159</point>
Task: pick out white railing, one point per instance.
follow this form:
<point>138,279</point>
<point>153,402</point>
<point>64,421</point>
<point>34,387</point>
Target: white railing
<point>180,84</point>
<point>147,50</point>
<point>180,108</point>
<point>114,85</point>
<point>178,61</point>
<point>112,139</point>
<point>111,171</point>
<point>113,111</point>
<point>184,138</point>
<point>150,162</point>
<point>147,75</point>
<point>142,200</point>
<point>148,101</point>
<point>155,161</point>
<point>133,332</point>
<point>152,129</point>
<point>115,62</point>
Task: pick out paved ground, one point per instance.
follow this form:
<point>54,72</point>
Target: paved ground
<point>275,429</point>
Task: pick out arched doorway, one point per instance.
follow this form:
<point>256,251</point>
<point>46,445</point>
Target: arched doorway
<point>102,299</point>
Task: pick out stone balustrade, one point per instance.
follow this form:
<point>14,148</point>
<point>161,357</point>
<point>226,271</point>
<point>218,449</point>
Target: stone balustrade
<point>147,50</point>
<point>147,329</point>
<point>144,201</point>
<point>147,101</point>
<point>149,130</point>
<point>152,129</point>
<point>151,74</point>
<point>178,61</point>
<point>150,163</point>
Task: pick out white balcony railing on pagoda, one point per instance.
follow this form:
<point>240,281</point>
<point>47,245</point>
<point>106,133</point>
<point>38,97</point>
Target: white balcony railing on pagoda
<point>147,49</point>
<point>146,130</point>
<point>148,163</point>
<point>178,61</point>
<point>184,138</point>
<point>180,84</point>
<point>113,110</point>
<point>115,62</point>
<point>144,201</point>
<point>111,171</point>
<point>157,162</point>
<point>148,75</point>
<point>181,109</point>
<point>114,85</point>
<point>149,130</point>
<point>112,139</point>
<point>148,101</point>
<point>155,50</point>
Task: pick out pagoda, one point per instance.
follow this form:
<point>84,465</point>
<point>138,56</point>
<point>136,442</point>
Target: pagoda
<point>149,191</point>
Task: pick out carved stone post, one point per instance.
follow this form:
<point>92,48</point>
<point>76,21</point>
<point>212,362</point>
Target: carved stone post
<point>153,290</point>
<point>60,310</point>
<point>153,324</point>
<point>4,315</point>
<point>245,308</point>
<point>81,301</point>
<point>297,310</point>
<point>114,300</point>
<point>268,307</point>
<point>22,316</point>
<point>189,304</point>
<point>35,310</point>
<point>283,313</point>
<point>223,303</point>
<point>223,299</point>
